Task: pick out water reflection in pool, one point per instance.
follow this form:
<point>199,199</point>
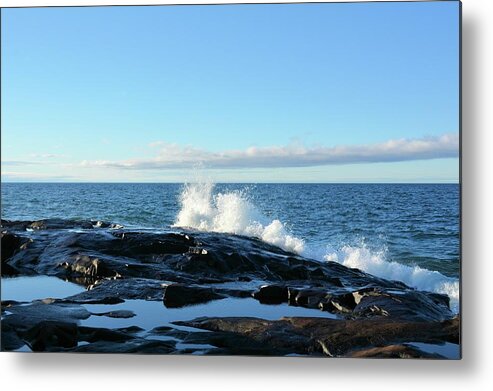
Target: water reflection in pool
<point>37,287</point>
<point>150,314</point>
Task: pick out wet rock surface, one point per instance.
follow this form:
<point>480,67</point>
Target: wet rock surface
<point>180,295</point>
<point>372,317</point>
<point>330,337</point>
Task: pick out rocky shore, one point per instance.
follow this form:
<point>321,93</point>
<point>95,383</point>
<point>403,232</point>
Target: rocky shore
<point>360,315</point>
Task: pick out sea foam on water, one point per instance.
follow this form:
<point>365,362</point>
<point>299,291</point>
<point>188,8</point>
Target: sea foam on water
<point>233,212</point>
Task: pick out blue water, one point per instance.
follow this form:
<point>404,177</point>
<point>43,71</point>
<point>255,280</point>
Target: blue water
<point>37,287</point>
<point>407,232</point>
<point>416,223</point>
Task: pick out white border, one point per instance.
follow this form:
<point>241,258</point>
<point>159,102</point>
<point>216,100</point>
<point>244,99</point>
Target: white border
<point>474,372</point>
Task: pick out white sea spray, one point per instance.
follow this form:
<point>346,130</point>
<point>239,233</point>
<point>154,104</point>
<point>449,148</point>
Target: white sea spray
<point>233,212</point>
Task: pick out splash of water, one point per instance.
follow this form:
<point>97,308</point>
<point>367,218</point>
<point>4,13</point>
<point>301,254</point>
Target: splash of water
<point>376,263</point>
<point>233,212</point>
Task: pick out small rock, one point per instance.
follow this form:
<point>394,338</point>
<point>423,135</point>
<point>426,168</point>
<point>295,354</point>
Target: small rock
<point>89,266</point>
<point>179,295</point>
<point>124,314</point>
<point>272,294</point>
<point>310,298</point>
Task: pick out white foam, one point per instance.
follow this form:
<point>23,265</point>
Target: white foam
<point>233,212</point>
<point>375,263</point>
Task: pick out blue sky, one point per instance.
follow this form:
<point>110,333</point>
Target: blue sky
<point>361,92</point>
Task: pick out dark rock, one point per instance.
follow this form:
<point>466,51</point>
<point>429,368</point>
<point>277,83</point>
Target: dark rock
<point>207,258</point>
<point>49,335</point>
<point>140,346</point>
<point>15,225</point>
<point>9,271</point>
<point>94,334</point>
<point>326,305</point>
<point>309,298</point>
<point>100,224</point>
<point>343,303</point>
<point>23,317</point>
<point>272,294</point>
<point>85,298</point>
<point>9,303</point>
<point>89,266</point>
<point>10,339</point>
<point>288,273</point>
<point>335,282</point>
<point>118,264</point>
<point>393,351</point>
<point>412,305</point>
<point>130,329</point>
<point>332,337</point>
<point>10,244</point>
<point>142,244</point>
<point>179,295</point>
<point>292,294</point>
<point>120,314</point>
<point>117,290</point>
<point>197,250</point>
<point>59,224</point>
<point>105,224</point>
<point>439,299</point>
<point>256,336</point>
<point>161,329</point>
<point>233,344</point>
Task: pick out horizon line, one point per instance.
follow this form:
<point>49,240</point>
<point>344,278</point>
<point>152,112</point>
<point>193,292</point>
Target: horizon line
<point>242,183</point>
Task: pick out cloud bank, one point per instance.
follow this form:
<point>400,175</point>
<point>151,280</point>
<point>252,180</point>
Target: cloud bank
<point>174,156</point>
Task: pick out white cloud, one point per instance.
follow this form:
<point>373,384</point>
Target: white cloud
<point>174,156</point>
<point>46,155</point>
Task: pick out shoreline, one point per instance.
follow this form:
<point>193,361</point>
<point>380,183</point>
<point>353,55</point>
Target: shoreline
<point>188,276</point>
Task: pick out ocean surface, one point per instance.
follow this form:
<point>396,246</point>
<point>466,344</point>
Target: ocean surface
<point>406,232</point>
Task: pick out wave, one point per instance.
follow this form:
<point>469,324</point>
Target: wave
<point>233,212</point>
<point>376,263</point>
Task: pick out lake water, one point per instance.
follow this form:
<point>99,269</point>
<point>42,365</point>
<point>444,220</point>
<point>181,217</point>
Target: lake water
<point>407,232</point>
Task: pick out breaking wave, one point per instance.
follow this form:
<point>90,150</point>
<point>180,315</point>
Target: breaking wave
<point>376,263</point>
<point>233,212</point>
